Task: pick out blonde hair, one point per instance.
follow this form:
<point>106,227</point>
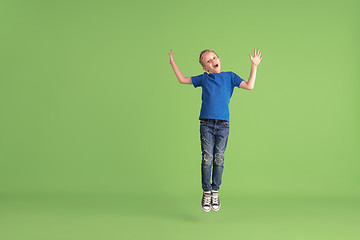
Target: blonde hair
<point>203,52</point>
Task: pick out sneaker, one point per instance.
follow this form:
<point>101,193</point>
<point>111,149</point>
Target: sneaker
<point>215,201</point>
<point>205,202</point>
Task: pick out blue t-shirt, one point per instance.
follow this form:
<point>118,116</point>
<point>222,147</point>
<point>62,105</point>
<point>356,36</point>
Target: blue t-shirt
<point>217,89</point>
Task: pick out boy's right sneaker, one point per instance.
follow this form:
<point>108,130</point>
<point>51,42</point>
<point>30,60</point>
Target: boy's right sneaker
<point>206,201</point>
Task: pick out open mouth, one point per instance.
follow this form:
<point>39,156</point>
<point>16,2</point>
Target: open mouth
<point>216,65</point>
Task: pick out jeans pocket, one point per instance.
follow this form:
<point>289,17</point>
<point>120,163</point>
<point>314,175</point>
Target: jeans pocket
<point>226,124</point>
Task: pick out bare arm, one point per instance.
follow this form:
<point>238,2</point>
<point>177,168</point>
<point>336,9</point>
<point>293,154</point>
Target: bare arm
<point>182,79</point>
<point>249,85</point>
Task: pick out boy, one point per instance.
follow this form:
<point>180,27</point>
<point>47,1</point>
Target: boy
<point>217,89</point>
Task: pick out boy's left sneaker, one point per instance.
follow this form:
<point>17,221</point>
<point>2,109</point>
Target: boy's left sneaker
<point>215,201</point>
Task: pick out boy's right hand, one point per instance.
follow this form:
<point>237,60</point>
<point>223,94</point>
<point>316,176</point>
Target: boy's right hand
<point>179,75</point>
<point>171,56</point>
<point>256,59</point>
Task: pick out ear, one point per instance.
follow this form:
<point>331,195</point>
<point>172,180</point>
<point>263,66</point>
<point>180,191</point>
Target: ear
<point>220,60</point>
<point>205,69</point>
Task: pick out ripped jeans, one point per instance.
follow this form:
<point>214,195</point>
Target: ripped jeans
<point>214,135</point>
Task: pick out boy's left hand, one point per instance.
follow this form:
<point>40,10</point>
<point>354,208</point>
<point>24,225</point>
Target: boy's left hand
<point>256,59</point>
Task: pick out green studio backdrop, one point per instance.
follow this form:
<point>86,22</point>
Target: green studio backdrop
<point>97,136</point>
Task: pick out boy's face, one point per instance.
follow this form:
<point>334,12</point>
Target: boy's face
<point>211,62</point>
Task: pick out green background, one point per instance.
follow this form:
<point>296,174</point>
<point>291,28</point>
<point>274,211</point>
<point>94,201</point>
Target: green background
<point>98,140</point>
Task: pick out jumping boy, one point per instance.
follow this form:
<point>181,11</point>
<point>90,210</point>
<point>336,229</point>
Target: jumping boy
<point>217,89</point>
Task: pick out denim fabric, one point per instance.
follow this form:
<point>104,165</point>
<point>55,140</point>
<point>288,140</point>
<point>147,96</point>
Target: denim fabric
<point>214,136</point>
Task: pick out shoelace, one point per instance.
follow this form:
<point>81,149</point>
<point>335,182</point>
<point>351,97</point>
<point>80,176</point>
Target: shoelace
<point>207,200</point>
<point>215,199</point>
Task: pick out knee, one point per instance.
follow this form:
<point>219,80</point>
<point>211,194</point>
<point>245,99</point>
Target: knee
<point>219,159</point>
<point>207,158</point>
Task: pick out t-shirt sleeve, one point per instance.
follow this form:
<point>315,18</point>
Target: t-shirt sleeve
<point>236,80</point>
<point>197,80</point>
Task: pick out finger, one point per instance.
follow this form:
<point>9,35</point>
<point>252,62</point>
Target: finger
<point>258,52</point>
<point>254,52</point>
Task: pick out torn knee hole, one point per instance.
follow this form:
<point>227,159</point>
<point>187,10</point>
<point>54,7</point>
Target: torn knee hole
<point>207,158</point>
<point>219,156</point>
<point>219,159</point>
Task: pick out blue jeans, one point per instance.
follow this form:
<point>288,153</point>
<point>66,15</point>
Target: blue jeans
<point>214,136</point>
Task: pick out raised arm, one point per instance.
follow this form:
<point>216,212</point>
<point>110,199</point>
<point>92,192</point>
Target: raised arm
<point>255,61</point>
<point>179,75</point>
